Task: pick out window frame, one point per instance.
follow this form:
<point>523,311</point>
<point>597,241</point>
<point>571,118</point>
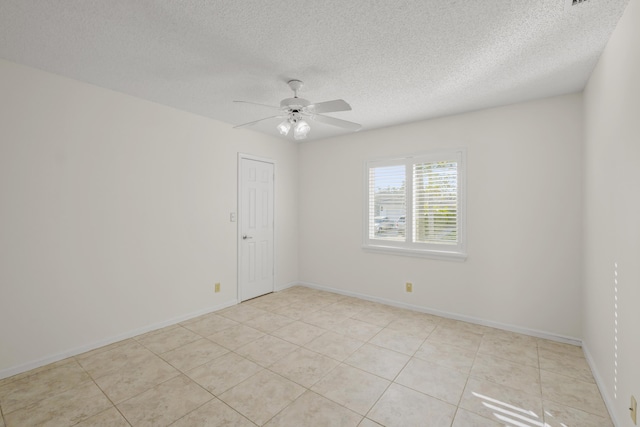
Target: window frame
<point>408,247</point>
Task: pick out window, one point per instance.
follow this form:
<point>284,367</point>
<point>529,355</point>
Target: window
<point>415,205</point>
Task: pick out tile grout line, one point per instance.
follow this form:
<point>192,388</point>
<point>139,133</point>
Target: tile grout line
<point>388,386</point>
<point>543,415</point>
<point>213,397</point>
<point>475,356</point>
<point>608,416</point>
<point>233,409</point>
<point>393,381</point>
<point>344,363</point>
<point>268,368</point>
<point>42,399</point>
<point>179,372</point>
<point>455,413</point>
<point>104,394</point>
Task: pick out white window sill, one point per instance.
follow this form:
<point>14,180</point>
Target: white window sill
<point>420,253</point>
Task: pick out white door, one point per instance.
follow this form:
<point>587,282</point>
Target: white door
<point>255,228</point>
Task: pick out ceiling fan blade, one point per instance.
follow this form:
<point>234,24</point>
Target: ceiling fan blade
<point>256,121</point>
<point>273,107</point>
<point>329,106</point>
<point>336,122</point>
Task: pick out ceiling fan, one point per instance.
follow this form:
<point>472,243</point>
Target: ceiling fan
<point>295,110</point>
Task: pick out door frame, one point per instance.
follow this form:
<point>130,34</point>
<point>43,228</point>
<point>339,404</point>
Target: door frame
<point>241,157</point>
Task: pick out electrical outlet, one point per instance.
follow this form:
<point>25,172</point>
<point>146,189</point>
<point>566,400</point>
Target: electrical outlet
<point>409,287</point>
<point>634,410</point>
<point>217,287</point>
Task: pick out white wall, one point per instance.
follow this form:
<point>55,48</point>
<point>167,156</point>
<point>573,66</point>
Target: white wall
<point>114,214</point>
<point>612,221</point>
<point>524,217</point>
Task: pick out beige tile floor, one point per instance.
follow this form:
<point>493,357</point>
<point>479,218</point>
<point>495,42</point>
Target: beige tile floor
<point>303,357</point>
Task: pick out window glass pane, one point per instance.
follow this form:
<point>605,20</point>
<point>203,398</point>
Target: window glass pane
<point>415,205</point>
<point>387,202</point>
<point>435,202</point>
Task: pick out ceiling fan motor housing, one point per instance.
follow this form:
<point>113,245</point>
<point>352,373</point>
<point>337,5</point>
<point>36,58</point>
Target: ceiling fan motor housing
<point>294,103</point>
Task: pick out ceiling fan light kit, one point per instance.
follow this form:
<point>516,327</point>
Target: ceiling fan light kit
<point>284,127</point>
<point>301,130</point>
<point>295,110</point>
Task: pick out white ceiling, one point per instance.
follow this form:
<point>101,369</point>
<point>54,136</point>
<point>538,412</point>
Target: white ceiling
<point>393,61</point>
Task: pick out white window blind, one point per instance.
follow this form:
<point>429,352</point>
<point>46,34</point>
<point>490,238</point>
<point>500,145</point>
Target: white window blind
<point>387,189</point>
<point>435,202</point>
<point>415,205</point>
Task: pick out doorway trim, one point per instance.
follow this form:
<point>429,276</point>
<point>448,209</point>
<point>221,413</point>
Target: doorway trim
<point>243,156</point>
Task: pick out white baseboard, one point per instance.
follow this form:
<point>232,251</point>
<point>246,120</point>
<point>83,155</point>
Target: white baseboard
<point>279,288</point>
<point>608,402</point>
<point>448,315</point>
<point>9,372</point>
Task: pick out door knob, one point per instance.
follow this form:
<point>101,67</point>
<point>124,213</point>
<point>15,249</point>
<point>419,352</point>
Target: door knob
<point>245,237</point>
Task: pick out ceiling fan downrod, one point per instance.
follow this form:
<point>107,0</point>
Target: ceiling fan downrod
<point>295,85</point>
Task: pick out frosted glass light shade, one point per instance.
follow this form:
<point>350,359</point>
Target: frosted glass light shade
<point>301,130</point>
<point>284,127</point>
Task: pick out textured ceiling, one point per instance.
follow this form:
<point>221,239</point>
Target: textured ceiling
<point>393,61</point>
